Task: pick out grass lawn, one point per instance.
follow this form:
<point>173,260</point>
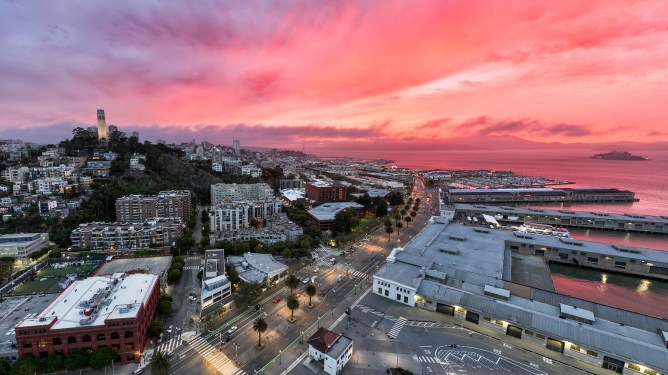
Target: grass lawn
<point>50,271</point>
<point>36,286</point>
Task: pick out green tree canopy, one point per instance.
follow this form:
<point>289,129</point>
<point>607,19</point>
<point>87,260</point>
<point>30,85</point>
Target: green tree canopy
<point>52,363</point>
<point>160,363</point>
<point>76,359</point>
<point>101,358</point>
<point>345,221</point>
<point>155,329</point>
<point>259,326</point>
<point>293,304</point>
<point>26,365</point>
<point>310,291</point>
<point>395,198</point>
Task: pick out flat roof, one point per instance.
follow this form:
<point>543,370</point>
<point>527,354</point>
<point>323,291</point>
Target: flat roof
<point>264,262</point>
<point>328,211</point>
<point>574,311</point>
<point>91,301</point>
<point>153,265</point>
<point>293,194</point>
<point>561,213</point>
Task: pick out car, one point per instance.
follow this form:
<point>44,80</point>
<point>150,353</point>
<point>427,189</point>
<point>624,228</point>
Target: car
<point>227,338</point>
<point>257,307</point>
<point>316,269</point>
<point>232,330</point>
<point>169,330</point>
<point>306,280</point>
<point>333,260</point>
<point>277,299</point>
<point>192,298</point>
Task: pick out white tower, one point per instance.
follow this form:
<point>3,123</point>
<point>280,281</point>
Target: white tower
<point>101,125</point>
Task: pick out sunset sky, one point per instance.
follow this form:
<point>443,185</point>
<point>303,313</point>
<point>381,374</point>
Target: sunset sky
<point>337,73</point>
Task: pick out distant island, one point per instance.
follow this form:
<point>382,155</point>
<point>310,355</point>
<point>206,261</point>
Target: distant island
<point>618,155</point>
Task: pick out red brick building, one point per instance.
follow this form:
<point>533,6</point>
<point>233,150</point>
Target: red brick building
<point>321,191</point>
<point>99,311</point>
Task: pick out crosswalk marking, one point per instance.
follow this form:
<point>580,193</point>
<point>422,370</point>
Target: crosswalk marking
<point>359,274</point>
<point>427,359</point>
<point>170,345</point>
<point>394,332</point>
<point>192,267</point>
<point>325,263</point>
<point>213,356</point>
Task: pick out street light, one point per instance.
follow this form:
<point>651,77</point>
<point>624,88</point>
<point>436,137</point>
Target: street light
<point>280,358</point>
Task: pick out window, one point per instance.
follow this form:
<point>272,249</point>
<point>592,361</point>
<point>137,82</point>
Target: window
<point>387,293</point>
<point>528,333</point>
<point>27,344</point>
<point>460,310</point>
<point>86,338</point>
<point>129,346</point>
<point>592,260</point>
<point>405,299</point>
<point>487,319</point>
<point>539,336</point>
<point>650,372</point>
<point>380,290</point>
<point>101,337</point>
<point>619,264</point>
<point>128,334</point>
<point>42,343</point>
<point>115,336</point>
<point>591,353</point>
<point>398,297</point>
<point>71,340</point>
<point>634,367</point>
<point>116,347</point>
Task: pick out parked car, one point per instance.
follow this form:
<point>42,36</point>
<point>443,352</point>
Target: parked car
<point>277,299</point>
<point>306,280</point>
<point>169,330</point>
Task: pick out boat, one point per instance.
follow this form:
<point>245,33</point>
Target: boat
<point>544,229</point>
<point>618,155</point>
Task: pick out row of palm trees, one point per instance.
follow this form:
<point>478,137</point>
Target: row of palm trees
<point>408,217</point>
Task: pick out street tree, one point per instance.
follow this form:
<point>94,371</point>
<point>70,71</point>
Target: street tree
<point>413,214</point>
<point>291,282</point>
<point>259,326</point>
<point>310,291</point>
<point>399,225</point>
<point>101,358</point>
<point>293,304</point>
<point>154,329</point>
<point>52,363</point>
<point>407,219</point>
<point>389,232</point>
<point>160,363</point>
<point>395,198</point>
<point>25,365</point>
<point>76,359</point>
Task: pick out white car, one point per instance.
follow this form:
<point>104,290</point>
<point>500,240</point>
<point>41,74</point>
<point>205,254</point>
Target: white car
<point>169,330</point>
<point>306,280</point>
<point>192,298</point>
<point>232,330</point>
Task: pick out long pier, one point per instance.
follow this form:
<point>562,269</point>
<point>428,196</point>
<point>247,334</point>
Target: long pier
<point>567,218</point>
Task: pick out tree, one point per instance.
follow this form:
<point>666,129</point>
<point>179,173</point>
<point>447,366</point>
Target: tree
<point>259,326</point>
<point>164,307</point>
<point>160,363</point>
<point>407,219</point>
<point>247,294</point>
<point>155,329</point>
<point>413,214</point>
<point>26,365</point>
<point>399,225</point>
<point>52,363</point>
<point>5,367</point>
<point>345,221</point>
<point>293,304</point>
<point>76,359</point>
<point>291,282</point>
<point>381,210</point>
<point>395,198</point>
<point>311,291</point>
<point>174,275</point>
<point>101,358</point>
<point>389,231</point>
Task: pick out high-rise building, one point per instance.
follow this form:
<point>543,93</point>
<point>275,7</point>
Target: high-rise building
<point>237,147</point>
<point>167,204</point>
<point>101,125</point>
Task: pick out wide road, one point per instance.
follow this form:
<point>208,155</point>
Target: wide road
<point>336,285</point>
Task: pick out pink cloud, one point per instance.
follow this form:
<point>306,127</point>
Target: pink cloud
<point>573,71</point>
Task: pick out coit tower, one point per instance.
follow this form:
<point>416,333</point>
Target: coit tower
<point>101,125</point>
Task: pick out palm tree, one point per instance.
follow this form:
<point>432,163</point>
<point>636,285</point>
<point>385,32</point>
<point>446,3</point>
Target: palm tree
<point>417,201</point>
<point>413,214</point>
<point>293,304</point>
<point>389,231</point>
<point>291,282</point>
<point>160,363</point>
<point>259,326</point>
<point>311,291</point>
<point>407,219</point>
<point>399,225</point>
